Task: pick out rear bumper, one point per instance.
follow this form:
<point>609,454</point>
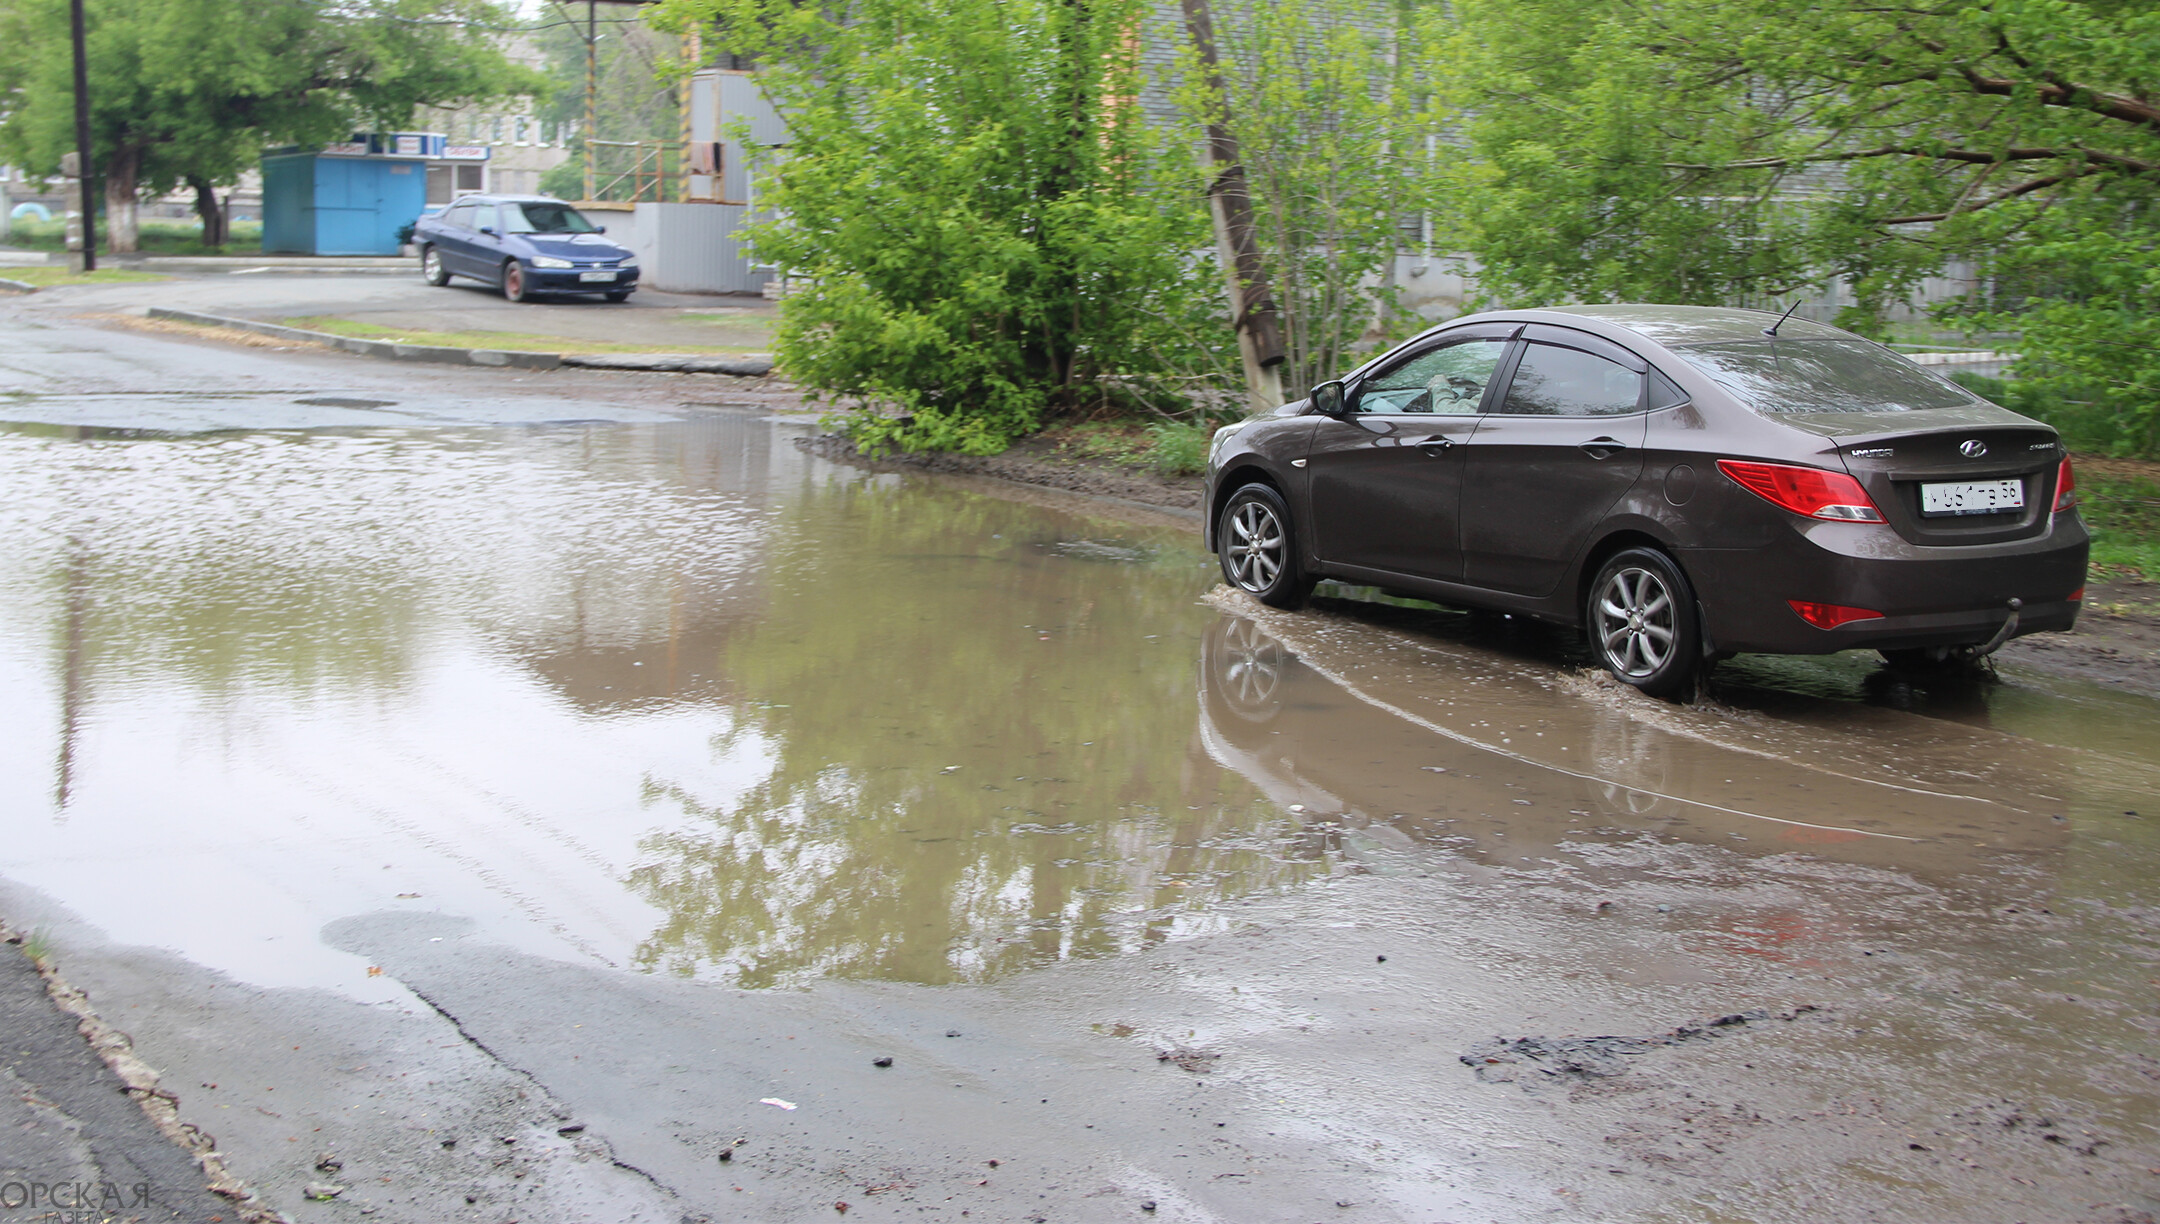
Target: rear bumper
<point>1929,596</point>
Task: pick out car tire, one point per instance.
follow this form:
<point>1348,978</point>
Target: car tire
<point>431,267</point>
<point>513,282</point>
<point>1257,547</point>
<point>618,295</point>
<point>1640,618</point>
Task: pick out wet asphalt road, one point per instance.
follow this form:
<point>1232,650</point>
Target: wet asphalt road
<point>508,785</point>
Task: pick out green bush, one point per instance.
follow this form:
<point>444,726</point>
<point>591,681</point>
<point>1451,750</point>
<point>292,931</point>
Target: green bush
<point>1179,448</point>
<point>978,228</point>
<point>2083,421</point>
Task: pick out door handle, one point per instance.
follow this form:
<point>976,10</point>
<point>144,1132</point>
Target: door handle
<point>1603,448</point>
<point>1436,446</point>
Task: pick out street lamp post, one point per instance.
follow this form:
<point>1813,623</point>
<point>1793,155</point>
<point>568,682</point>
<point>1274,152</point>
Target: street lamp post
<point>86,180</point>
<point>592,89</point>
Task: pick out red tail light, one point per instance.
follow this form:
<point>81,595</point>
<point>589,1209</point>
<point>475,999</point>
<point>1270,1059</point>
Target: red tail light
<point>2065,487</point>
<point>2077,596</point>
<point>1830,616</point>
<point>1809,492</point>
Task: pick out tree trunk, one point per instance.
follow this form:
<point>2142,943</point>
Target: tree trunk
<point>214,225</point>
<point>122,169</point>
<point>1252,303</point>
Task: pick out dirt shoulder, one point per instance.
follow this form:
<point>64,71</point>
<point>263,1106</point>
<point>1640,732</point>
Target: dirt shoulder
<point>2116,643</point>
<point>1033,461</point>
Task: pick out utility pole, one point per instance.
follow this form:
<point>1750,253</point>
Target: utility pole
<point>1252,304</point>
<point>592,90</point>
<point>85,179</point>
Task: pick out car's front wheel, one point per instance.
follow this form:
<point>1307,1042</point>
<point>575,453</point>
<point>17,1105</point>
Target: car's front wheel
<point>514,287</point>
<point>1258,550</point>
<point>431,267</point>
<point>1641,621</point>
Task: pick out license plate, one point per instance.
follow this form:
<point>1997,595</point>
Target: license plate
<point>596,276</point>
<point>1972,497</point>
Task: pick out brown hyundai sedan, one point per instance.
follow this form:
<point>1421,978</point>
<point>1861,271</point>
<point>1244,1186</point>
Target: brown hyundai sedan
<point>1684,483</point>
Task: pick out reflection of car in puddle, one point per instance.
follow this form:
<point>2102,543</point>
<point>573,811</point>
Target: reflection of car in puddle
<point>1353,767</point>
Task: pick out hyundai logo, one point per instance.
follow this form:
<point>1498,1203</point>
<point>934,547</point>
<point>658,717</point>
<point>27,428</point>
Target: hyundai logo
<point>1972,448</point>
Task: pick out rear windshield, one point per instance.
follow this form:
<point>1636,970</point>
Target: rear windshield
<point>1822,376</point>
<point>533,217</point>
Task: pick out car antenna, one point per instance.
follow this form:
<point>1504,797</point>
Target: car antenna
<point>1771,331</point>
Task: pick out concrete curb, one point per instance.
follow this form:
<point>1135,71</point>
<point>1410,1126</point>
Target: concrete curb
<point>504,358</point>
<point>16,286</point>
<point>139,1081</point>
<point>673,363</point>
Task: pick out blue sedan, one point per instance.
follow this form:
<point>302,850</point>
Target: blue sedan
<point>527,245</point>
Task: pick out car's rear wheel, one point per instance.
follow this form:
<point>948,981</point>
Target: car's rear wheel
<point>1257,549</point>
<point>1641,621</point>
<point>431,267</point>
<point>514,288</point>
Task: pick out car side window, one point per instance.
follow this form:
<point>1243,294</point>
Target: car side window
<point>484,218</point>
<point>1555,381</point>
<point>458,217</point>
<point>1448,380</point>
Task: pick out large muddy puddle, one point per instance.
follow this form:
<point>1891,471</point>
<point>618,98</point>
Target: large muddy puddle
<point>681,698</point>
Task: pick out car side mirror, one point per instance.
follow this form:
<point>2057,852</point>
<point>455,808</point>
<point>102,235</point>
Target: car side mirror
<point>599,229</point>
<point>489,230</point>
<point>1327,398</point>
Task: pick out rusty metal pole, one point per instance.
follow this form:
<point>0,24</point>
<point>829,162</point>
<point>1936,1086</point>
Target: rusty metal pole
<point>592,89</point>
<point>1252,304</point>
<point>693,53</point>
<point>85,180</point>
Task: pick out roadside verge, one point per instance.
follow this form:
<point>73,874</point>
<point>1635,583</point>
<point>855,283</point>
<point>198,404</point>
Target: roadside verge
<point>670,363</point>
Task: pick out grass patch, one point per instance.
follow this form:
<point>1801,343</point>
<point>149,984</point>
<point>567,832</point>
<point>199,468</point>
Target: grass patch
<point>2122,509</point>
<point>1168,448</point>
<point>522,342</point>
<point>156,236</point>
<point>50,277</point>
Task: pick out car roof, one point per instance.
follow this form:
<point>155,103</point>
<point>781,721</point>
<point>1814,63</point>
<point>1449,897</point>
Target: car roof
<point>1678,325</point>
<point>489,197</point>
<point>1647,328</point>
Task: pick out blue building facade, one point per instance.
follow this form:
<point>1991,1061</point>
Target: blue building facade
<point>345,199</point>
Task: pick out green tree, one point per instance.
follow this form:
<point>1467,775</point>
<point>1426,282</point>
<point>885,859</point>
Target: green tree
<point>187,92</point>
<point>1728,150</point>
<point>978,227</point>
<point>1331,108</point>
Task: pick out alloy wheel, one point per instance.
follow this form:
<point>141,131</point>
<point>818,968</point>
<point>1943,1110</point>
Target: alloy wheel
<point>1256,546</point>
<point>1637,622</point>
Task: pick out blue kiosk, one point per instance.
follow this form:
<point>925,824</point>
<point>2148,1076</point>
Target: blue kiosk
<point>346,199</point>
